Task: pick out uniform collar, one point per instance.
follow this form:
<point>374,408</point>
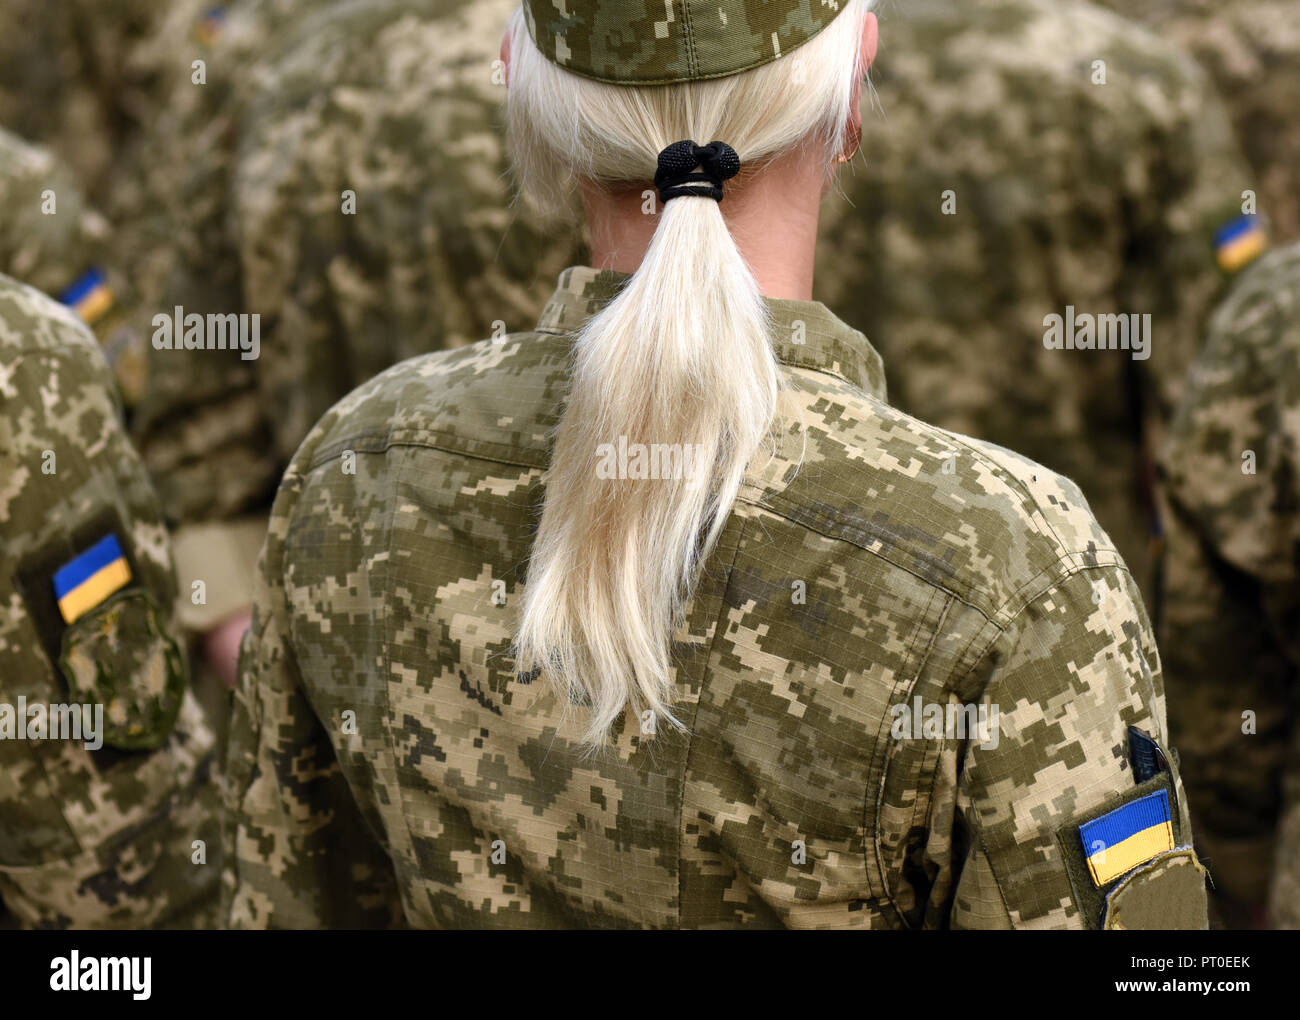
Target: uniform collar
<point>807,335</point>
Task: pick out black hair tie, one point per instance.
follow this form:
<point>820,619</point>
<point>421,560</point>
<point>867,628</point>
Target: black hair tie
<point>677,175</point>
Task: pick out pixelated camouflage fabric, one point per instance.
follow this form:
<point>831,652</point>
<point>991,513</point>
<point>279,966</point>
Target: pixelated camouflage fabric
<point>388,765</point>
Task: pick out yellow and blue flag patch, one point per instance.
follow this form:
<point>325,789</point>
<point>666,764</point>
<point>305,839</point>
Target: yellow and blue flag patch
<point>85,582</point>
<point>89,296</point>
<point>207,28</point>
<point>1132,834</point>
<point>1239,242</point>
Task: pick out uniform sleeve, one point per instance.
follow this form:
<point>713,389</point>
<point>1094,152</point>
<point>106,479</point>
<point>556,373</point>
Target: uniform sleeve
<point>118,828</point>
<point>50,235</point>
<point>303,856</point>
<point>53,240</point>
<point>1232,591</point>
<point>204,424</point>
<point>1067,680</point>
<point>1229,710</point>
<point>202,430</point>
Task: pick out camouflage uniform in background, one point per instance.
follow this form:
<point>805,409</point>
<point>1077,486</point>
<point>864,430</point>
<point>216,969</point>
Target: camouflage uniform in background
<point>172,206</point>
<point>213,474</point>
<point>1231,640</point>
<point>51,239</point>
<point>48,90</point>
<point>389,765</point>
<point>47,249</point>
<point>1252,50</point>
<point>400,103</point>
<point>390,108</point>
<point>72,78</point>
<point>1104,197</point>
<point>102,837</point>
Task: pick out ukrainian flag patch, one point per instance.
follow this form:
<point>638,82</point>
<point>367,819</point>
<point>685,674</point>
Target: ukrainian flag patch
<point>85,582</point>
<point>1238,242</point>
<point>1127,837</point>
<point>207,29</point>
<point>89,296</point>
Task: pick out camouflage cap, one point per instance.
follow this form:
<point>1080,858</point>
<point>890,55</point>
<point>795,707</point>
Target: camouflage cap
<point>658,42</point>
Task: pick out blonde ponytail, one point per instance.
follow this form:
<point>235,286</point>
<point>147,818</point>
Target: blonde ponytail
<point>678,368</point>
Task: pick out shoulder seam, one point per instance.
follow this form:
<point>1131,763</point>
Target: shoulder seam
<point>999,615</point>
<point>382,441</point>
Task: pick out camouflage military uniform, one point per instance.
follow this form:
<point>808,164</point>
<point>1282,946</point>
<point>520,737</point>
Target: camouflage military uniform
<point>214,471</point>
<point>1232,640</point>
<point>171,207</point>
<point>74,77</point>
<point>90,837</point>
<point>1002,183</point>
<point>47,89</point>
<point>49,235</point>
<point>1252,50</point>
<point>348,184</point>
<point>51,239</point>
<point>388,763</point>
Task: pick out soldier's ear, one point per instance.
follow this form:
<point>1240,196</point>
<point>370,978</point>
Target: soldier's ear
<point>870,40</point>
<point>867,47</point>
<point>505,55</point>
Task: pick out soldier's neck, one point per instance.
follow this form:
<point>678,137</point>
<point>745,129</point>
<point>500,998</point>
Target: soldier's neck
<point>772,216</point>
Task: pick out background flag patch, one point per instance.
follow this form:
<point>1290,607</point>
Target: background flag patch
<point>1239,242</point>
<point>89,296</point>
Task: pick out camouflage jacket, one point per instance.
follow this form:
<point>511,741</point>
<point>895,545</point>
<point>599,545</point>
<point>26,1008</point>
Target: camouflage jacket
<point>1252,50</point>
<point>1232,634</point>
<point>388,765</point>
<point>52,239</point>
<point>1032,157</point>
<point>72,78</point>
<point>343,176</point>
<point>49,235</point>
<point>96,829</point>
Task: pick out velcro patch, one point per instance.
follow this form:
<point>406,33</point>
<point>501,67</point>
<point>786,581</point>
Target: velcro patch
<point>121,656</point>
<point>1165,894</point>
<point>1127,837</point>
<point>87,580</point>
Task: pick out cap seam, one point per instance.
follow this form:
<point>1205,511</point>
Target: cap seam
<point>692,61</point>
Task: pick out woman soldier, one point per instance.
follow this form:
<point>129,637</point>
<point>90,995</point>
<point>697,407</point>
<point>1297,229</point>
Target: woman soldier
<point>659,615</point>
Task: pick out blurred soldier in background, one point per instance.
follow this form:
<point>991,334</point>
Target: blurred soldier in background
<point>172,207</point>
<point>49,235</point>
<point>1037,158</point>
<point>1231,640</point>
<point>1222,612</point>
<point>1252,50</point>
<point>344,178</point>
<point>73,77</point>
<point>50,238</point>
<point>181,239</point>
<point>119,827</point>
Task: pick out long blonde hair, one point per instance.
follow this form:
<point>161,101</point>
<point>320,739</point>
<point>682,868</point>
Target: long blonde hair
<point>680,362</point>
